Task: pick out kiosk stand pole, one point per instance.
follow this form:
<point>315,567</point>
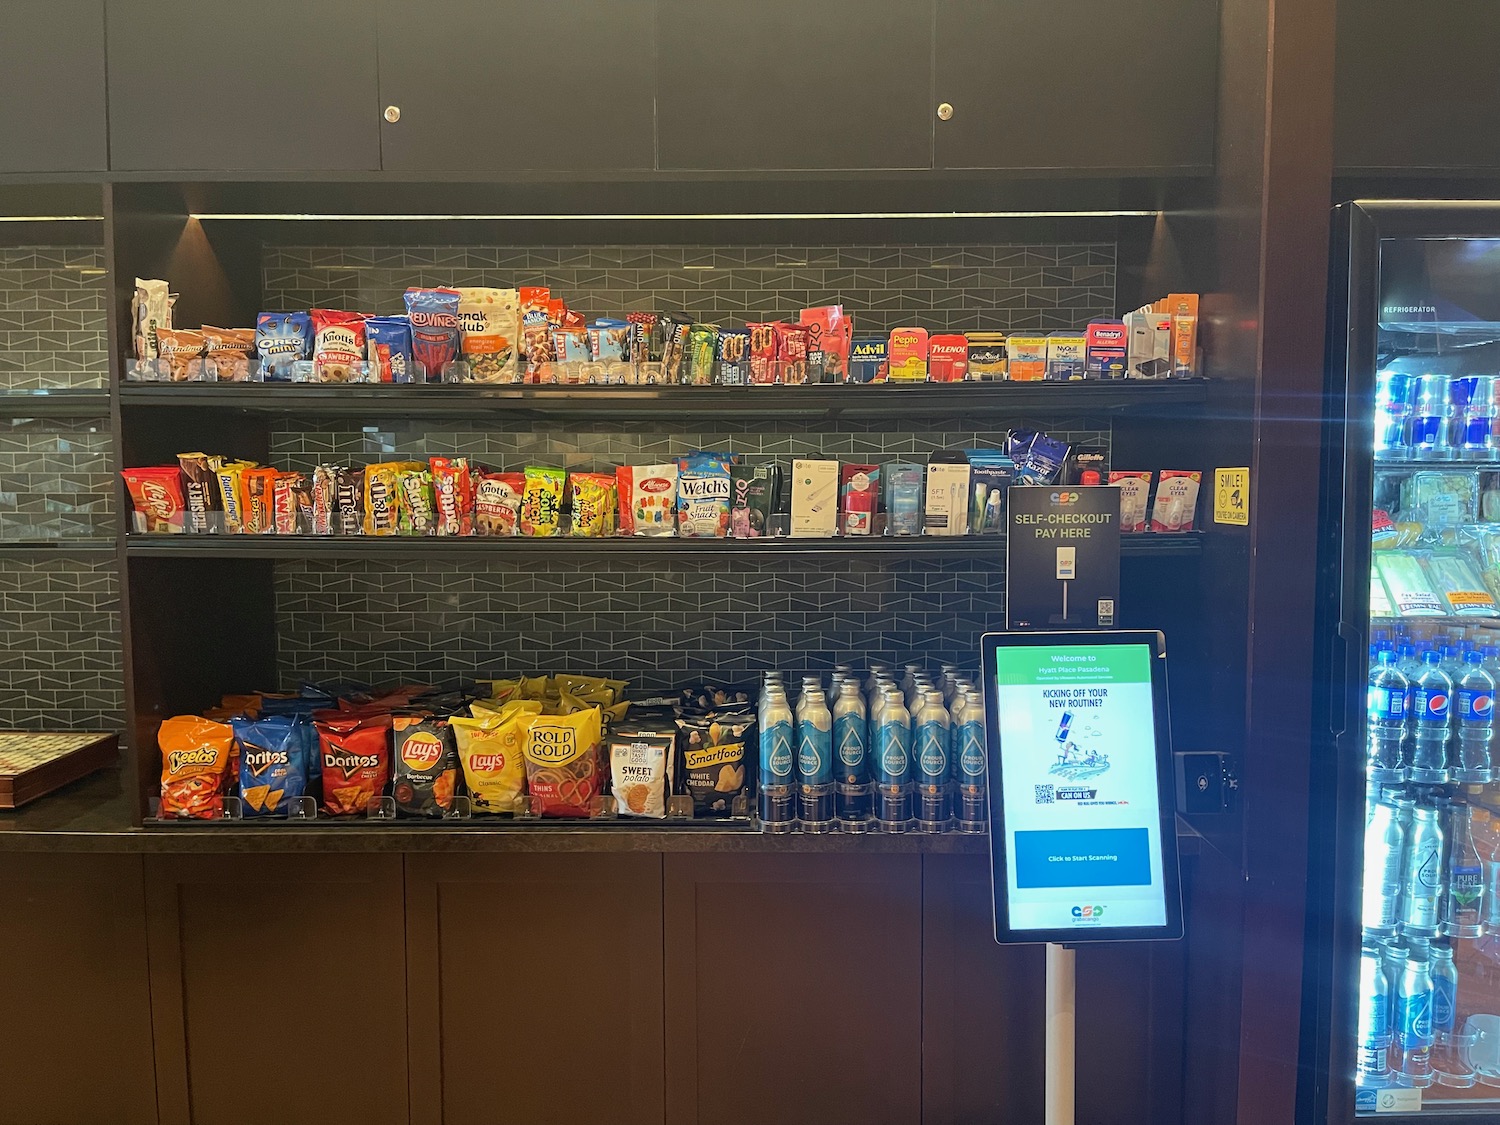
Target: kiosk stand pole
<point>1060,1035</point>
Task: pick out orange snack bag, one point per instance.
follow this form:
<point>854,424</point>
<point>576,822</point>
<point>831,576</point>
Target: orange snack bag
<point>194,765</point>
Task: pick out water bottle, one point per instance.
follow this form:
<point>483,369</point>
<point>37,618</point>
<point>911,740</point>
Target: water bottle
<point>933,741</point>
<point>1444,987</point>
<point>1430,695</point>
<point>973,789</point>
<point>1385,853</point>
<point>778,802</point>
<point>851,758</point>
<point>1423,875</point>
<point>815,763</point>
<point>1414,1020</point>
<point>893,763</point>
<point>1374,1017</point>
<point>1464,905</point>
<point>948,681</point>
<point>1387,719</point>
<point>1475,697</point>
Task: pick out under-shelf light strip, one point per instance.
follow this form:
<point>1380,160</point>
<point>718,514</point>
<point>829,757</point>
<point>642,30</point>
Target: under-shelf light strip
<point>1095,214</point>
<point>51,218</point>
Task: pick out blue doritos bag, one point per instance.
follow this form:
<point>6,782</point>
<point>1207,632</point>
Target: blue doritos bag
<point>273,762</point>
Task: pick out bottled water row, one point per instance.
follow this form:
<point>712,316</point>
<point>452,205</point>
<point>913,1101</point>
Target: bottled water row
<point>1431,711</point>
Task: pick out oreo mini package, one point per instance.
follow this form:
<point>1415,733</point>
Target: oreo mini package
<point>282,339</point>
<point>273,762</point>
<point>425,766</point>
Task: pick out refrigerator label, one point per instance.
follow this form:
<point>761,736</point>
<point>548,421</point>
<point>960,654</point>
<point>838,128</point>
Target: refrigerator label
<point>1398,1100</point>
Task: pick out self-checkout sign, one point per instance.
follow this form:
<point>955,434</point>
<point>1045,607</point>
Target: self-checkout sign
<point>1232,496</point>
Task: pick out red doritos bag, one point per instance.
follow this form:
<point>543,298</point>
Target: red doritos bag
<point>356,753</point>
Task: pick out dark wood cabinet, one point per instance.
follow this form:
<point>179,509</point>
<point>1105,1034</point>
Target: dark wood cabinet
<point>497,85</point>
<point>1415,86</point>
<point>52,115</point>
<point>218,85</point>
<point>1088,84</point>
<point>76,992</point>
<point>278,989</point>
<point>535,985</point>
<point>793,988</point>
<point>825,84</point>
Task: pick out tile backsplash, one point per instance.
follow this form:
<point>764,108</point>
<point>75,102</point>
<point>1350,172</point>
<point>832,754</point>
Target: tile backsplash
<point>52,301</point>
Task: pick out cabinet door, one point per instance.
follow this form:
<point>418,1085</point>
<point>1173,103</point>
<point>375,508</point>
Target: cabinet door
<point>52,86</point>
<point>535,989</point>
<point>1415,85</point>
<point>496,85</point>
<point>278,85</point>
<point>794,84</point>
<point>1089,84</point>
<point>793,989</point>
<point>278,989</point>
<point>77,1002</point>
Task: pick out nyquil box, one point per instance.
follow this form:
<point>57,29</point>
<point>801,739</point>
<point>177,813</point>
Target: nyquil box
<point>1105,345</point>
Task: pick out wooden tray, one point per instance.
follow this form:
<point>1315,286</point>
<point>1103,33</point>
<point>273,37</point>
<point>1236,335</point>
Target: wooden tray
<point>34,763</point>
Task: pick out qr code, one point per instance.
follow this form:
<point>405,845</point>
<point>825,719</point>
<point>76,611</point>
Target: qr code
<point>1043,794</point>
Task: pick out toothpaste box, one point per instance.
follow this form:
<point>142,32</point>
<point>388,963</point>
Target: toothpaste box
<point>1105,346</point>
<point>948,358</point>
<point>867,361</point>
<point>1026,358</point>
<point>906,355</point>
<point>1066,357</point>
<point>815,498</point>
<point>1149,349</point>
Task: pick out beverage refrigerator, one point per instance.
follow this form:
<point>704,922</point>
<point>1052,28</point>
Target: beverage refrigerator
<point>1402,960</point>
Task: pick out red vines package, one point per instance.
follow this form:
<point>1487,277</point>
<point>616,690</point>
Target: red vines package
<point>454,495</point>
<point>434,331</point>
<point>338,345</point>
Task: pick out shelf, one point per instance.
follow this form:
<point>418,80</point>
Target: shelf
<point>1490,466</point>
<point>54,404</point>
<point>818,400</point>
<point>43,547</point>
<point>379,547</point>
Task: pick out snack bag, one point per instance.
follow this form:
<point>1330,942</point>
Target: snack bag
<point>426,765</point>
<point>383,496</point>
<point>791,353</point>
<point>497,503</point>
<point>227,352</point>
<point>338,345</point>
<point>762,353</point>
<point>434,331</point>
<point>348,501</point>
<point>641,768</point>
<point>156,493</point>
<point>489,324</point>
<point>273,762</point>
<point>541,502</point>
<point>830,336</point>
<point>732,356</point>
<point>151,309</point>
<point>201,491</point>
<point>355,752</point>
<point>491,749</point>
<point>260,488</point>
<point>194,767</point>
<point>594,504</point>
<point>416,514</point>
<point>533,301</point>
<point>698,356</point>
<point>282,339</point>
<point>714,757</point>
<point>703,492</point>
<point>453,494</point>
<point>647,496</point>
<point>181,350</point>
<point>388,349</point>
<point>674,332</point>
<point>562,762</point>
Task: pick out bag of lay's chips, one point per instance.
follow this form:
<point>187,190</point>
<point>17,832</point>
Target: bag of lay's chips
<point>563,769</point>
<point>194,767</point>
<point>356,759</point>
<point>425,765</point>
<point>273,762</point>
<point>490,748</point>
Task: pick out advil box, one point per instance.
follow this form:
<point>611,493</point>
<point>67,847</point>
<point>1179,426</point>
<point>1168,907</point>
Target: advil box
<point>1105,345</point>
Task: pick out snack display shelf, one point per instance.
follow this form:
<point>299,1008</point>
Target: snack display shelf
<point>53,404</point>
<point>17,547</point>
<point>357,547</point>
<point>1487,466</point>
<point>813,401</point>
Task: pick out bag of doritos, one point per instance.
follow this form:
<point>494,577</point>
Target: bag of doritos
<point>490,748</point>
<point>425,765</point>
<point>194,766</point>
<point>356,757</point>
<point>273,762</point>
<point>562,762</point>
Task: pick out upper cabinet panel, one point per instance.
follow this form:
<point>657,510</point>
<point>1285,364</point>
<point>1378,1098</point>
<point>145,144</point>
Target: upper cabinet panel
<point>52,86</point>
<point>816,84</point>
<point>1080,84</point>
<point>1416,86</point>
<point>511,85</point>
<point>224,85</point>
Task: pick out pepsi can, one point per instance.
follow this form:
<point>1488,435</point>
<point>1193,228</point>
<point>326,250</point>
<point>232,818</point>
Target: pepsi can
<point>1432,409</point>
<point>1473,398</point>
<point>1394,398</point>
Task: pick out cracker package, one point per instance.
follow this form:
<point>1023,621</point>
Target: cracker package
<point>541,502</point>
<point>355,751</point>
<point>641,771</point>
<point>491,749</point>
<point>489,324</point>
<point>425,765</point>
<point>194,767</point>
<point>562,763</point>
<point>647,496</point>
<point>497,503</point>
<point>273,763</point>
<point>714,757</point>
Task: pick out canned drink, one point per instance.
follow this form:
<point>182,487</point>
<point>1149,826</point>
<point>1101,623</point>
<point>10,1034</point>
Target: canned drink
<point>1474,415</point>
<point>1394,399</point>
<point>1432,411</point>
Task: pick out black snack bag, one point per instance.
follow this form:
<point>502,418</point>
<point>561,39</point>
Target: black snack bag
<point>715,752</point>
<point>424,765</point>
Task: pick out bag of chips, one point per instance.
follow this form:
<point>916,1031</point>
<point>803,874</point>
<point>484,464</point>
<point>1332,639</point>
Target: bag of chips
<point>497,502</point>
<point>641,770</point>
<point>593,504</point>
<point>489,321</point>
<point>157,496</point>
<point>273,762</point>
<point>434,331</point>
<point>562,762</point>
<point>541,502</point>
<point>714,758</point>
<point>453,494</point>
<point>491,748</point>
<point>282,339</point>
<point>194,767</point>
<point>426,765</point>
<point>355,751</point>
<point>227,352</point>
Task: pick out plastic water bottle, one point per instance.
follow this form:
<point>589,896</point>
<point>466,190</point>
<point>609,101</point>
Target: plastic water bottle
<point>1385,854</point>
<point>1444,987</point>
<point>1414,1020</point>
<point>1387,719</point>
<point>1464,905</point>
<point>1430,693</point>
<point>1475,697</point>
<point>1423,878</point>
<point>1374,1017</point>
